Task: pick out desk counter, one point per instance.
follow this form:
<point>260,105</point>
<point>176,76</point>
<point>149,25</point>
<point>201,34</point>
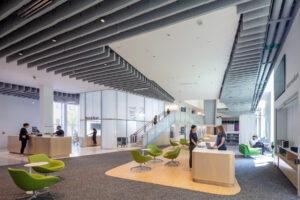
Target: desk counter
<point>54,147</point>
<point>213,166</point>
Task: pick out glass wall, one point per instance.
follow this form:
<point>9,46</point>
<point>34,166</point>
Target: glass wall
<point>118,114</point>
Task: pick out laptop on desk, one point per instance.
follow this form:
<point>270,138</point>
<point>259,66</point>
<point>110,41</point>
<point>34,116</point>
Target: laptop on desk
<point>208,145</point>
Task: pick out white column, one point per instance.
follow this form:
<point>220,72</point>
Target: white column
<point>46,109</point>
<point>247,127</point>
<point>82,110</point>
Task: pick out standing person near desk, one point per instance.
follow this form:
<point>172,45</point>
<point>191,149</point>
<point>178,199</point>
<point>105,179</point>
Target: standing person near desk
<point>220,144</point>
<point>193,141</point>
<point>23,137</point>
<point>94,136</point>
<point>59,131</point>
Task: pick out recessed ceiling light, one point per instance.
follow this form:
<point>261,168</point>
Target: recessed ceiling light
<point>102,20</point>
<point>168,34</point>
<point>199,22</point>
<point>53,40</point>
<point>105,64</point>
<point>153,56</point>
<point>20,54</point>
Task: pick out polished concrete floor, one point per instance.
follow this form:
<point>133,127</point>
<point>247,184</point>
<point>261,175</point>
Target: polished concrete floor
<point>7,158</point>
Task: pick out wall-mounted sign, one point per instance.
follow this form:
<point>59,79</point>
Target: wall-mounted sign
<point>92,118</point>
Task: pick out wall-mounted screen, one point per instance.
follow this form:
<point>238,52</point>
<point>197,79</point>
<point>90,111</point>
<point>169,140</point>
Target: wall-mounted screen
<point>279,79</point>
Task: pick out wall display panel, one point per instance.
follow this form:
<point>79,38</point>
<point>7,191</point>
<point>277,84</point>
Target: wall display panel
<point>132,108</point>
<point>149,114</point>
<point>121,128</point>
<point>109,104</point>
<point>109,134</point>
<point>93,105</point>
<point>121,105</point>
<point>140,102</point>
<point>279,79</point>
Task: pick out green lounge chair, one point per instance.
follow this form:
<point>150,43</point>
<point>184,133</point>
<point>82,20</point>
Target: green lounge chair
<point>53,165</point>
<point>184,142</point>
<point>244,149</point>
<point>154,152</point>
<point>172,155</point>
<point>32,182</point>
<point>173,144</point>
<point>139,158</point>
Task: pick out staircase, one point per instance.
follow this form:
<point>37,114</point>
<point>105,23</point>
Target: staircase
<point>150,132</point>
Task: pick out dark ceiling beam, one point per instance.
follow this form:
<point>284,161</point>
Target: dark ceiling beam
<point>61,13</point>
<point>112,12</point>
<point>103,57</point>
<point>12,23</point>
<point>43,38</point>
<point>255,30</point>
<point>117,70</point>
<point>87,54</point>
<point>7,7</point>
<point>85,44</point>
<point>125,76</point>
<point>81,70</point>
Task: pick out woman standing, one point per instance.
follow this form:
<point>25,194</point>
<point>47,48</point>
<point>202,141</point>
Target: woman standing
<point>94,136</point>
<point>220,144</point>
<point>193,141</point>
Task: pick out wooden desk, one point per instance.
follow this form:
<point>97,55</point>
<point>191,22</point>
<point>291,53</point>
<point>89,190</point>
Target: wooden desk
<point>53,147</point>
<point>210,138</point>
<point>213,166</point>
<point>89,141</point>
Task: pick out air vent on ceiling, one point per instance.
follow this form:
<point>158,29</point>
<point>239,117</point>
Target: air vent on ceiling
<point>33,7</point>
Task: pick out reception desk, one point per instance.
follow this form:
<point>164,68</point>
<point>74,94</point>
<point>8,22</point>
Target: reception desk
<point>54,147</point>
<point>90,142</point>
<point>213,166</point>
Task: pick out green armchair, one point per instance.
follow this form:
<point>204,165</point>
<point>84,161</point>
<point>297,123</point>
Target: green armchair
<point>184,142</point>
<point>154,152</point>
<point>139,158</point>
<point>244,149</point>
<point>31,182</point>
<point>53,165</point>
<point>172,155</point>
<point>173,144</point>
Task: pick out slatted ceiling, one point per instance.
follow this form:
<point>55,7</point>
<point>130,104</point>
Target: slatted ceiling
<point>93,60</point>
<point>7,7</point>
<point>75,46</point>
<point>33,93</point>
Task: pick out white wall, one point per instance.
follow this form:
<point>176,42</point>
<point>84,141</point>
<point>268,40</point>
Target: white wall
<point>247,127</point>
<point>14,111</point>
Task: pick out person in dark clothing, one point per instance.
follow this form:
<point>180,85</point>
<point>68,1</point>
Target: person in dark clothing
<point>23,137</point>
<point>254,142</point>
<point>168,111</point>
<point>193,141</point>
<point>220,144</point>
<point>94,136</point>
<point>155,120</point>
<point>59,131</point>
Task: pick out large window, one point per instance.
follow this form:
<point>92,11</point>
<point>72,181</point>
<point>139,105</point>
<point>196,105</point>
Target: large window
<point>58,115</point>
<point>73,120</point>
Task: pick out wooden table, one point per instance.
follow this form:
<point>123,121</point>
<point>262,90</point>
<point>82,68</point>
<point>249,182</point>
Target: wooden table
<point>53,147</point>
<point>213,166</point>
<point>36,164</point>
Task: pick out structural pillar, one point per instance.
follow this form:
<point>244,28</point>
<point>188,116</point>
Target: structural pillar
<point>46,109</point>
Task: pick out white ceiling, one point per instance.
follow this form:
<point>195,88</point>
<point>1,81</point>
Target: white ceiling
<point>185,59</point>
<point>12,73</point>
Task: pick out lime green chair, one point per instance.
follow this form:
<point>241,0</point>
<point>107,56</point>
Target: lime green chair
<point>173,144</point>
<point>172,155</point>
<point>244,149</point>
<point>154,152</point>
<point>31,182</point>
<point>184,142</point>
<point>139,158</point>
<point>52,166</point>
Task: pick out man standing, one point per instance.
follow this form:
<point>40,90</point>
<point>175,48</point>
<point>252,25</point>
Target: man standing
<point>59,131</point>
<point>23,137</point>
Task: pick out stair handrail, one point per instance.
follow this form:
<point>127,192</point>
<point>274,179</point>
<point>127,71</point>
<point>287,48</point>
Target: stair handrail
<point>133,137</point>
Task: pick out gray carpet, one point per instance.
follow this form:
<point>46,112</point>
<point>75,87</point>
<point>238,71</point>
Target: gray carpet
<point>84,178</point>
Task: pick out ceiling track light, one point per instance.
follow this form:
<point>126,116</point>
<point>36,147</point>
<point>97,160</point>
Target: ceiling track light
<point>20,54</point>
<point>53,40</point>
<point>102,20</point>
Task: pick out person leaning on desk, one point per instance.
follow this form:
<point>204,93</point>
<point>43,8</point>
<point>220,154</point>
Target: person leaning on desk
<point>59,131</point>
<point>220,143</point>
<point>23,137</point>
<point>193,141</point>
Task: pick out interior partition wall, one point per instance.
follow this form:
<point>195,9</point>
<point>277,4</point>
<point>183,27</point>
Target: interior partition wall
<point>115,115</point>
